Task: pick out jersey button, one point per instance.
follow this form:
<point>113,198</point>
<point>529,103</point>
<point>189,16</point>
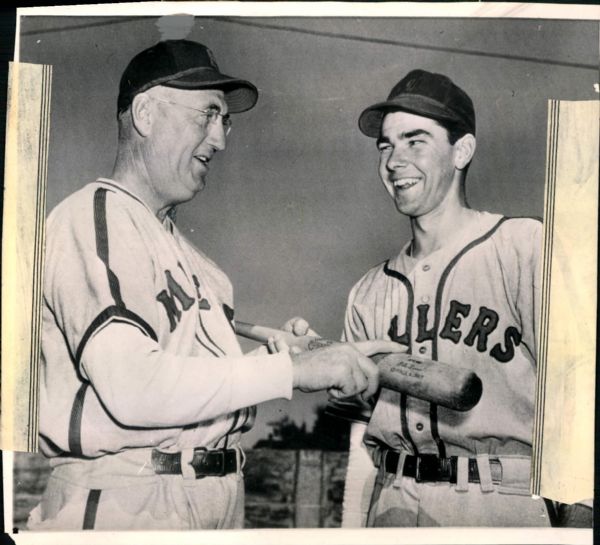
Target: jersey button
<point>426,268</point>
<point>425,299</point>
<point>419,427</point>
<point>422,350</point>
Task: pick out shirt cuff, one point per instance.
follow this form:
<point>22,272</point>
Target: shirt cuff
<point>260,378</point>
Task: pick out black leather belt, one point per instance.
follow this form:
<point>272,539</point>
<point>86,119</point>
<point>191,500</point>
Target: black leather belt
<point>206,463</point>
<point>430,468</point>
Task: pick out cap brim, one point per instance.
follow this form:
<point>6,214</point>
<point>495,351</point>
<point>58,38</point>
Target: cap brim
<point>241,95</point>
<point>371,119</point>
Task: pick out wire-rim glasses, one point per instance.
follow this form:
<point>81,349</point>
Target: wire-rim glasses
<point>212,115</point>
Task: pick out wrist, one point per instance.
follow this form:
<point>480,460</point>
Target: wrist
<point>297,370</point>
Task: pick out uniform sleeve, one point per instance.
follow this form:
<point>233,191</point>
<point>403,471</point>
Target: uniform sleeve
<point>354,330</point>
<point>141,385</point>
<point>529,292</point>
<point>98,270</point>
<point>100,285</point>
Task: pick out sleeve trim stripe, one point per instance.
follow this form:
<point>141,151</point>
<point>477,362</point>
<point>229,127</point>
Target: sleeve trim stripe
<point>110,314</point>
<point>75,421</point>
<point>101,230</point>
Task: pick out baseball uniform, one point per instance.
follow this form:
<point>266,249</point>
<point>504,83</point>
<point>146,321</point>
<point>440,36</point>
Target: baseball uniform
<point>140,361</point>
<point>472,303</point>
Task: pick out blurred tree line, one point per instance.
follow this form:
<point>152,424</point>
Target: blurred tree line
<point>328,433</point>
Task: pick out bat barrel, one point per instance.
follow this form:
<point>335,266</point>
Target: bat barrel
<point>437,382</point>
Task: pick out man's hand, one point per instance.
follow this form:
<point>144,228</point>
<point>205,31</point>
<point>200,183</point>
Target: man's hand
<point>299,327</point>
<point>343,369</point>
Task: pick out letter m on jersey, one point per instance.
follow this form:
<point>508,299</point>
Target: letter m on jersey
<point>167,298</point>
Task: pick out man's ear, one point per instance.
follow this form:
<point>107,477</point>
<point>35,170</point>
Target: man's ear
<point>464,149</point>
<point>142,115</point>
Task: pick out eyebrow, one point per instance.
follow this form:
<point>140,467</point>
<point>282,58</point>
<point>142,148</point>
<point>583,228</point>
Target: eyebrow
<point>214,106</point>
<point>405,135</point>
<point>416,132</point>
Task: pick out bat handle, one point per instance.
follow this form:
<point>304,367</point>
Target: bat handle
<point>260,333</point>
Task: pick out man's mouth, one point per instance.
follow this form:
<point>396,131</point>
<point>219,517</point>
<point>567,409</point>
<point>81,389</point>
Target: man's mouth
<point>404,183</point>
<point>204,159</point>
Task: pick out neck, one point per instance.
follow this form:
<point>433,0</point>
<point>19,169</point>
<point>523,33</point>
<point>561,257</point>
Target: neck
<point>439,227</point>
<point>130,172</point>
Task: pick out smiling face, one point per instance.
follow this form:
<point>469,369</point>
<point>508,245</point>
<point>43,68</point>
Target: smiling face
<point>181,142</point>
<point>417,163</point>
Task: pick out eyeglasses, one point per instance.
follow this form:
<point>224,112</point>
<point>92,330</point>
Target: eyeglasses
<point>212,116</point>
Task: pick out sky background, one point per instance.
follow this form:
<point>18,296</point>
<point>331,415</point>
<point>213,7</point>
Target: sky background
<point>294,211</point>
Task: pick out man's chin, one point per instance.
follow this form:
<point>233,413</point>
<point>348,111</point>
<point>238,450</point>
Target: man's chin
<point>189,191</point>
<point>402,207</point>
<point>198,184</point>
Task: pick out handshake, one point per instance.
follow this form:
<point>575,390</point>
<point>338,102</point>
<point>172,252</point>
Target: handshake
<point>343,369</point>
<point>348,369</point>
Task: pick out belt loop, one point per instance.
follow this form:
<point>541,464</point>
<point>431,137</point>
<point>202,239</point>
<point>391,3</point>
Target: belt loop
<point>378,457</point>
<point>399,469</point>
<point>485,473</point>
<point>462,474</point>
<point>187,471</point>
<point>241,459</point>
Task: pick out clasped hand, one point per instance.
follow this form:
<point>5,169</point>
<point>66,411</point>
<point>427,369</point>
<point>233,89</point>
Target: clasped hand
<point>343,369</point>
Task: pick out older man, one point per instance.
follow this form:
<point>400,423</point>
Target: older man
<point>144,388</point>
<point>464,290</point>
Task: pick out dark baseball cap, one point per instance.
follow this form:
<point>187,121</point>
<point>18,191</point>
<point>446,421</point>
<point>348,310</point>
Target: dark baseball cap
<point>182,64</point>
<point>426,94</point>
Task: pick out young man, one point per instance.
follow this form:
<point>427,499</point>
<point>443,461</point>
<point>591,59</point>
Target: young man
<point>465,291</point>
<point>144,389</point>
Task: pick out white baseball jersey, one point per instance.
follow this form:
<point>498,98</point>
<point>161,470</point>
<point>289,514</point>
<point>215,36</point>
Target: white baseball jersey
<point>472,303</point>
<point>116,275</point>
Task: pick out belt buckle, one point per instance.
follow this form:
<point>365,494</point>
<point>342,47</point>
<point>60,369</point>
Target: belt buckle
<point>428,468</point>
<point>203,460</point>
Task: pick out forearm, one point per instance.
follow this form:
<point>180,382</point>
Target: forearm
<point>141,385</point>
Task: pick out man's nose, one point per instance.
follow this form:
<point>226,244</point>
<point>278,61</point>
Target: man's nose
<point>216,136</point>
<point>397,159</point>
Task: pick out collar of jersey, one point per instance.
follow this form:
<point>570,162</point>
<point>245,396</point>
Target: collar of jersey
<point>483,222</point>
<point>116,185</point>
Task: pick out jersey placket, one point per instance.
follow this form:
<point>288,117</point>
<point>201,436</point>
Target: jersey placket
<point>424,278</point>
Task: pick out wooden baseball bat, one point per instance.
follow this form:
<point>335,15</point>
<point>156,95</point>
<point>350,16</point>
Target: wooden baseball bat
<point>437,382</point>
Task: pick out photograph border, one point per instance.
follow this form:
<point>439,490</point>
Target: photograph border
<point>276,9</point>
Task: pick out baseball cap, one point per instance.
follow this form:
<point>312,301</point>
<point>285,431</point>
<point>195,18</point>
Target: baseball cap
<point>426,94</point>
<point>182,64</point>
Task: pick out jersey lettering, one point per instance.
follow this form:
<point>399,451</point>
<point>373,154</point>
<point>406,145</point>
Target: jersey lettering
<point>512,338</point>
<point>485,323</point>
<point>423,334</point>
<point>203,304</point>
<point>450,330</point>
<point>402,339</point>
<point>167,298</point>
<point>229,314</point>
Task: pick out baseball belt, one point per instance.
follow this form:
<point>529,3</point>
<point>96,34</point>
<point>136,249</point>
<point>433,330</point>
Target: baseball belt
<point>431,468</point>
<point>206,463</point>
